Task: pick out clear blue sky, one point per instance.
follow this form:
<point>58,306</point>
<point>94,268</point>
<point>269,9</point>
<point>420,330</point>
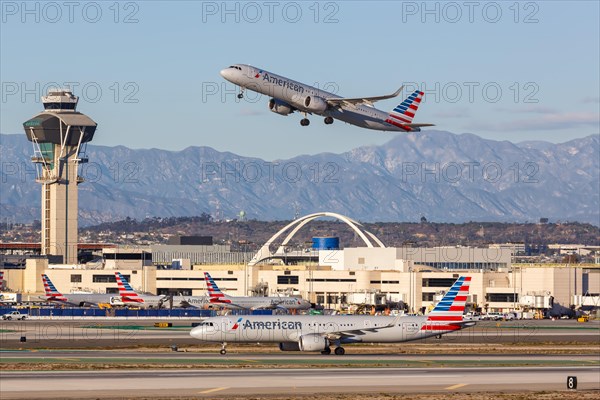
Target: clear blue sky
<point>542,56</point>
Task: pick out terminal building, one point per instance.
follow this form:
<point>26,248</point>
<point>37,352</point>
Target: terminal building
<point>413,279</point>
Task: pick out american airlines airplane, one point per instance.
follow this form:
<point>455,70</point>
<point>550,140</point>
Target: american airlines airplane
<point>77,299</point>
<point>319,332</point>
<point>253,302</point>
<point>157,301</point>
<point>288,96</point>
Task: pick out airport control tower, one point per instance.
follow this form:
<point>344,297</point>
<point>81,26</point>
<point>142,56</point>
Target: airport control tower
<point>59,136</point>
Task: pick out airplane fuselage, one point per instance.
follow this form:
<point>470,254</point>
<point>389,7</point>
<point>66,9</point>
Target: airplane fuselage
<point>295,94</point>
<point>87,299</point>
<point>289,328</point>
<point>256,302</point>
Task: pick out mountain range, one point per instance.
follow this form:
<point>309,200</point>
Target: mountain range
<point>438,175</point>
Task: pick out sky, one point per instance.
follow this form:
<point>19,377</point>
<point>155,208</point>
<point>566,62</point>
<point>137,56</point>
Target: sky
<point>148,71</point>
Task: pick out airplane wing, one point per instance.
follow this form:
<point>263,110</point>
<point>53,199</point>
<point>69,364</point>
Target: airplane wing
<point>361,100</point>
<point>359,332</point>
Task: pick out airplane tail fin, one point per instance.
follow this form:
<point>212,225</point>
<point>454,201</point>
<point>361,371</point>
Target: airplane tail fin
<point>50,289</point>
<point>448,313</point>
<point>126,291</point>
<point>214,293</point>
<point>403,114</point>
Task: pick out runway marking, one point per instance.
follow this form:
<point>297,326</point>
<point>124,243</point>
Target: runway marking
<point>459,385</point>
<point>213,390</point>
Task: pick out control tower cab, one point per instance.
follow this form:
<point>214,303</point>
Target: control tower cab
<point>59,135</point>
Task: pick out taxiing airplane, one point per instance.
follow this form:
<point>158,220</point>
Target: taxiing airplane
<point>157,301</point>
<point>78,299</point>
<point>253,302</point>
<point>288,96</point>
<point>319,332</point>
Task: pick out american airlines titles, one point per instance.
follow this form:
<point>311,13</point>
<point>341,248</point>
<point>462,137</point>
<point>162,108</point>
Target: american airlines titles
<point>282,82</point>
<point>272,324</point>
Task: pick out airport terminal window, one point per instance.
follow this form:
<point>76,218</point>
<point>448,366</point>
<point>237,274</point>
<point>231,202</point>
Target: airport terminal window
<point>502,297</point>
<point>438,282</point>
<point>287,279</point>
<point>428,296</point>
<point>107,278</point>
<point>177,292</point>
<point>76,278</point>
<point>112,290</point>
<point>385,282</point>
<point>128,256</point>
<point>170,278</point>
<point>330,280</point>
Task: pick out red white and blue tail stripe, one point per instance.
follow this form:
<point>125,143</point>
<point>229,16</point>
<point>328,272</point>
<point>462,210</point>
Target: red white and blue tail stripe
<point>403,114</point>
<point>126,291</point>
<point>51,292</point>
<point>447,315</point>
<point>214,293</point>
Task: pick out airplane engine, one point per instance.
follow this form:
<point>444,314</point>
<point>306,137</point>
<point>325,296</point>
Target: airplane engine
<point>315,104</point>
<point>280,107</point>
<point>289,346</point>
<point>313,343</point>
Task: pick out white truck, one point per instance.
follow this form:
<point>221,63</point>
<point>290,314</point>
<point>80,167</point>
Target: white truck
<point>14,315</point>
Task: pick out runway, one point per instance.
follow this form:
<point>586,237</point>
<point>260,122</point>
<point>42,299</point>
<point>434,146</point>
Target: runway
<point>126,333</point>
<point>209,382</point>
<point>81,359</point>
<point>287,359</point>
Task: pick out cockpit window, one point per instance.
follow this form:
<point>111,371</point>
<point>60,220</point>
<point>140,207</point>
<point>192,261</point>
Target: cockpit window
<point>235,67</point>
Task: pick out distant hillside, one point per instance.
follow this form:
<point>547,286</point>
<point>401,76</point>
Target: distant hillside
<point>439,175</point>
<point>252,234</point>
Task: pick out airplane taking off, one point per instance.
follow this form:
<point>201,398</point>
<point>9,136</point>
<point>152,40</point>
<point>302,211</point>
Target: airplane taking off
<point>155,301</point>
<point>251,303</point>
<point>288,96</point>
<point>318,332</point>
<point>79,299</point>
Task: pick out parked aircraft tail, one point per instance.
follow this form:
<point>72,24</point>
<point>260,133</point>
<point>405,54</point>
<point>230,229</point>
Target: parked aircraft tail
<point>214,293</point>
<point>126,291</point>
<point>51,292</point>
<point>448,313</point>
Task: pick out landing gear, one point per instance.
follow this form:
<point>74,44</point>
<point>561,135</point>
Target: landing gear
<point>326,351</point>
<point>328,120</point>
<point>223,348</point>
<point>304,122</point>
<point>438,336</point>
<point>339,351</point>
<point>241,94</point>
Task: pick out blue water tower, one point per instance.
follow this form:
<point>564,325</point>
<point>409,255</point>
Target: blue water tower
<point>326,243</point>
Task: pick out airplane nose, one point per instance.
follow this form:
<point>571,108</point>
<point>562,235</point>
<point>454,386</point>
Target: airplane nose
<point>226,73</point>
<point>196,332</point>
